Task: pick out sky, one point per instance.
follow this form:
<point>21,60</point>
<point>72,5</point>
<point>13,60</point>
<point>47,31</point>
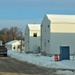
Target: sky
<point>21,12</point>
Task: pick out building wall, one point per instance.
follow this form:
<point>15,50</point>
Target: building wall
<point>62,34</point>
<point>0,42</point>
<point>62,27</point>
<point>27,39</point>
<point>11,46</point>
<point>45,35</point>
<point>34,41</point>
<point>31,41</point>
<point>59,34</point>
<point>62,39</point>
<point>35,31</point>
<point>16,44</point>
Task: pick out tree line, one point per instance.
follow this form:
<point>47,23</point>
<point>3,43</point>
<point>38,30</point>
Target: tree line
<point>9,34</point>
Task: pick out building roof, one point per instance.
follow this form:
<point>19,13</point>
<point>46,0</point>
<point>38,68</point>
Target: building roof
<point>34,26</point>
<point>11,42</point>
<point>61,18</point>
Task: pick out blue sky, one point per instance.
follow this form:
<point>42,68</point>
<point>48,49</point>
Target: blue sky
<point>20,12</point>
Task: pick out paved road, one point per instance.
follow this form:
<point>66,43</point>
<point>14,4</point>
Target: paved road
<point>11,66</point>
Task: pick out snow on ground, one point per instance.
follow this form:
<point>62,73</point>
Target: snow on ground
<point>64,72</point>
<point>44,61</point>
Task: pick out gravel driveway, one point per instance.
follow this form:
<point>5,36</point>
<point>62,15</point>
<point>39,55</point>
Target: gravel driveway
<point>11,66</point>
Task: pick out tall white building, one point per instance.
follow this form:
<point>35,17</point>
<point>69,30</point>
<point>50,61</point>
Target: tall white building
<point>32,38</point>
<point>57,31</point>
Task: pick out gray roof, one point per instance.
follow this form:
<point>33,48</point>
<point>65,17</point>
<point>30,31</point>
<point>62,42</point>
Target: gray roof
<point>34,26</point>
<point>61,18</point>
<point>11,42</point>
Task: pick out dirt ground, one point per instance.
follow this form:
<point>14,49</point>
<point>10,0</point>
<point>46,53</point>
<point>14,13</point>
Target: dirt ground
<point>11,66</point>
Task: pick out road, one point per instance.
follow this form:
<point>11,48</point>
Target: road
<point>11,66</point>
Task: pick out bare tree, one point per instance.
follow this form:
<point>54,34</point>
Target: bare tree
<point>14,33</point>
<point>4,34</point>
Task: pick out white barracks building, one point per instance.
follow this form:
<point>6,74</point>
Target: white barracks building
<point>32,38</point>
<point>57,31</point>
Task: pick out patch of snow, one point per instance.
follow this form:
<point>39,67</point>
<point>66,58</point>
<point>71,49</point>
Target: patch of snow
<point>43,61</point>
<point>65,72</point>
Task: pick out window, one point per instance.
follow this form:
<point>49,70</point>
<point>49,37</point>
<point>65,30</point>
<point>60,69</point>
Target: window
<point>35,35</point>
<point>14,47</point>
<point>48,26</point>
<point>18,47</point>
<point>48,40</point>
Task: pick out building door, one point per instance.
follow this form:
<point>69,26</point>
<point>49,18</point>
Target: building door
<point>64,53</point>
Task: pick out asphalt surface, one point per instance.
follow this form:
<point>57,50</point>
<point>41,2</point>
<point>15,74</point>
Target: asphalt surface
<point>11,66</point>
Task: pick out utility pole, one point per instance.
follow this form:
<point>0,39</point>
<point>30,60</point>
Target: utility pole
<point>21,42</point>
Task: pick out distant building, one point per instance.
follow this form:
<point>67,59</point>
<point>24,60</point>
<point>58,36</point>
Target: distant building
<point>13,45</point>
<point>0,42</point>
<point>57,31</point>
<point>32,38</point>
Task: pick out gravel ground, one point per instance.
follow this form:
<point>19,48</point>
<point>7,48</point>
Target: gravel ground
<point>11,66</point>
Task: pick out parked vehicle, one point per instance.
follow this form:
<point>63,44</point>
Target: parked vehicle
<point>3,50</point>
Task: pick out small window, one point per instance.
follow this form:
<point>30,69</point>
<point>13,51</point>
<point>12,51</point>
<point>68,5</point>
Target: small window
<point>48,26</point>
<point>18,47</point>
<point>14,47</point>
<point>48,40</point>
<point>35,35</point>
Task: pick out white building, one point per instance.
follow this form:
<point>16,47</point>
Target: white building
<point>13,45</point>
<point>0,42</point>
<point>32,38</point>
<point>57,31</point>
